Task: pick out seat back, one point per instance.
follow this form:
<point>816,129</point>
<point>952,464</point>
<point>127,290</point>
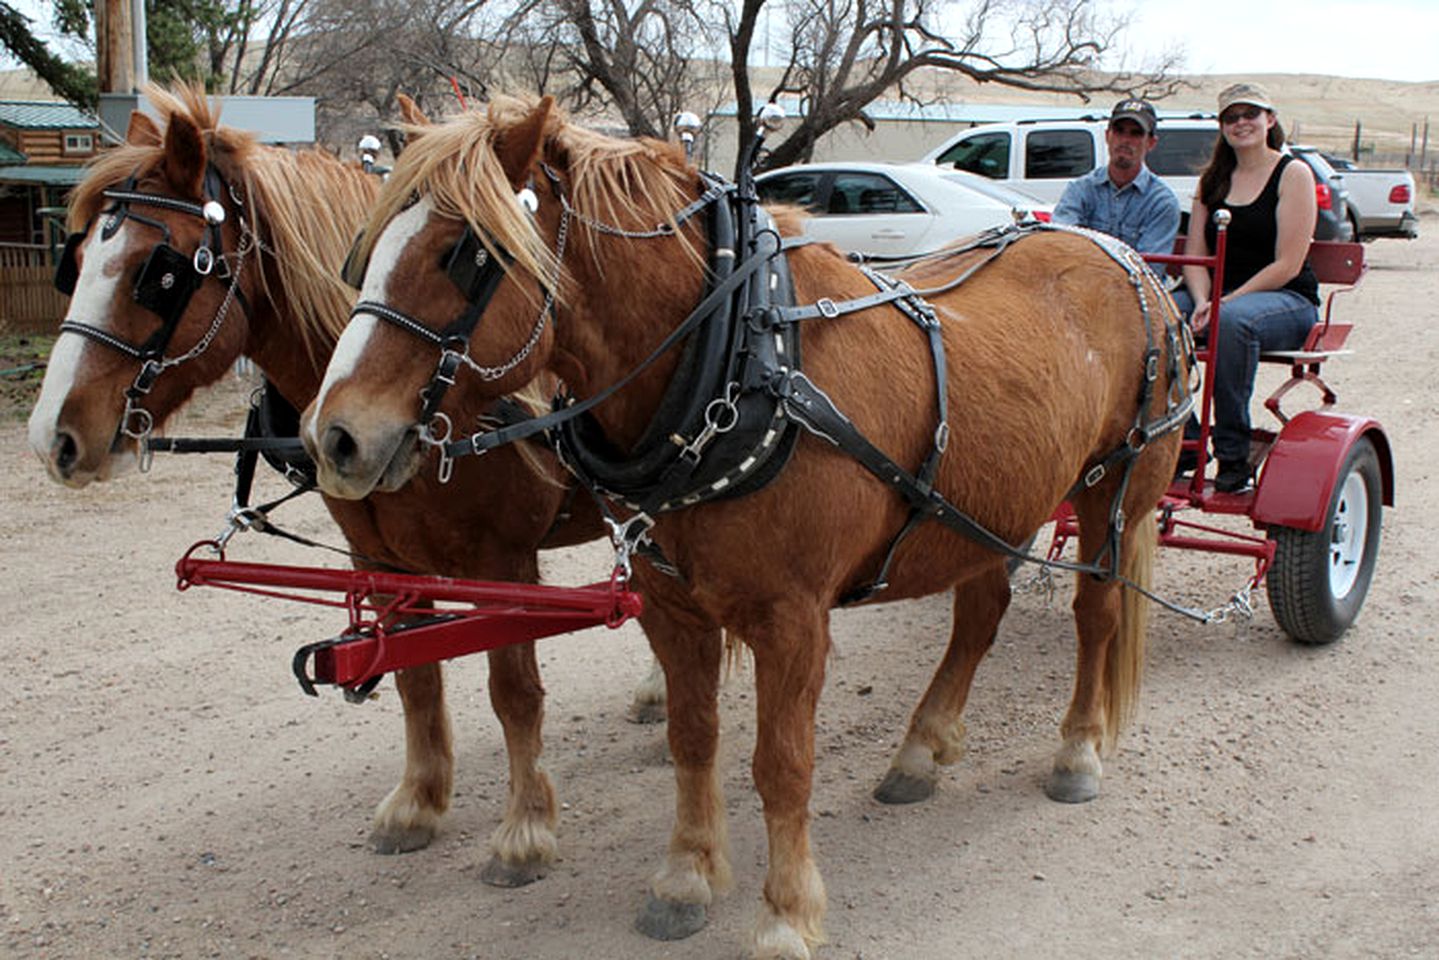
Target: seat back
<point>1337,263</point>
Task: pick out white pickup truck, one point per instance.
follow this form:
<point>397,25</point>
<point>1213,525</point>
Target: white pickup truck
<point>1381,202</point>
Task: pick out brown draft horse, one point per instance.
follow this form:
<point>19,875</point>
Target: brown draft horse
<point>1046,352</point>
<point>289,220</point>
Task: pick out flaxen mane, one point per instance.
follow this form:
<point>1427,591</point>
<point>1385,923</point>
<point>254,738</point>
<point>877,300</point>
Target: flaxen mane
<point>632,184</point>
<point>305,206</point>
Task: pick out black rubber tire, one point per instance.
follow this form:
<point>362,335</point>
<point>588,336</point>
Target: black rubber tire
<point>1302,580</point>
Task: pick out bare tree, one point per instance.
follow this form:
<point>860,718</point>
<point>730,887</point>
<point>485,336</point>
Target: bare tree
<point>845,54</point>
<point>644,60</point>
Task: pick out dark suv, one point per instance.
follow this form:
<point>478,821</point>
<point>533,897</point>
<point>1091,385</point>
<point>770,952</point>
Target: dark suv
<point>1333,198</point>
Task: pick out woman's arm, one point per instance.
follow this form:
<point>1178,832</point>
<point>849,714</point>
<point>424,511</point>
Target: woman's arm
<point>1197,278</point>
<point>1297,212</point>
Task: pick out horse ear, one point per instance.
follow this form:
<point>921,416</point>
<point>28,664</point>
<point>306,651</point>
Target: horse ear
<point>142,131</point>
<point>410,111</point>
<point>185,155</point>
<point>521,144</point>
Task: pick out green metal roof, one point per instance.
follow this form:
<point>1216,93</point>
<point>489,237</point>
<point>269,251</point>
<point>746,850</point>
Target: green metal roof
<point>8,156</point>
<point>35,173</point>
<point>44,115</point>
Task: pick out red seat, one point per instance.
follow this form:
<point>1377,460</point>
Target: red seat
<point>1342,266</point>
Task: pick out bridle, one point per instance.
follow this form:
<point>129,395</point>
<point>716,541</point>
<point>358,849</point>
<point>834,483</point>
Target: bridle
<point>477,271</point>
<point>163,285</point>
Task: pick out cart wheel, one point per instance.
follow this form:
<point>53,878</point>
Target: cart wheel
<point>1318,581</point>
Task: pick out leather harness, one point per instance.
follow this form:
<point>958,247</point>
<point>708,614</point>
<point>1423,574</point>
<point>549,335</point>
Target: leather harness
<point>726,425</point>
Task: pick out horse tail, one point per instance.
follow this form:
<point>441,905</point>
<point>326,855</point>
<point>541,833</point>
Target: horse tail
<point>1125,666</point>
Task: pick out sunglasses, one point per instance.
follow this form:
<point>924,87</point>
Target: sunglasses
<point>1234,116</point>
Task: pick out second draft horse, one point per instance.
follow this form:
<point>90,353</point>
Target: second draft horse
<point>519,242</point>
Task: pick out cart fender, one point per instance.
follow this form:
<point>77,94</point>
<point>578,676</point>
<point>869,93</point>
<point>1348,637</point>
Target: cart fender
<point>1303,467</point>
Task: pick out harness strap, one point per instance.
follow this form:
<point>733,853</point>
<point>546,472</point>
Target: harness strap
<point>483,442</point>
<point>923,316</point>
<point>812,409</point>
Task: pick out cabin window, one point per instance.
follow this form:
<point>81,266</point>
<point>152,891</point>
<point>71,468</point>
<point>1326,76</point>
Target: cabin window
<point>79,143</point>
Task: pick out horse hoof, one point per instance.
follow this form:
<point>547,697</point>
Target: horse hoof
<point>1071,786</point>
<point>897,787</point>
<point>669,920</point>
<point>646,713</point>
<point>498,873</point>
<point>400,840</point>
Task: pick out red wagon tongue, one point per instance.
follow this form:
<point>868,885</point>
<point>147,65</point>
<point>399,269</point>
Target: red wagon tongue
<point>392,625</point>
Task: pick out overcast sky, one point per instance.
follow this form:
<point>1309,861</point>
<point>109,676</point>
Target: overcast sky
<point>1386,39</point>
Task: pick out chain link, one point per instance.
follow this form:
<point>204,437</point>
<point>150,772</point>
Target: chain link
<point>495,373</point>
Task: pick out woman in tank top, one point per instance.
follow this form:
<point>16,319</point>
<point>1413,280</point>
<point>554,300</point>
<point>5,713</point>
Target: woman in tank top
<point>1270,297</point>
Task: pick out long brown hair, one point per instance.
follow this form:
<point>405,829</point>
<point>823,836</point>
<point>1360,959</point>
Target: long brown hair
<point>1214,180</point>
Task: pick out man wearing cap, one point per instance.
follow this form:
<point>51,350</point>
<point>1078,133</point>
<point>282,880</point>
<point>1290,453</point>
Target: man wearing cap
<point>1125,199</point>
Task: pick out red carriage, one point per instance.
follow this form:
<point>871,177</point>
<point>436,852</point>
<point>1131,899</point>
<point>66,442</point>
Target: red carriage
<point>1323,476</point>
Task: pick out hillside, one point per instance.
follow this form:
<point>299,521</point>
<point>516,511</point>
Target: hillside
<point>1314,108</point>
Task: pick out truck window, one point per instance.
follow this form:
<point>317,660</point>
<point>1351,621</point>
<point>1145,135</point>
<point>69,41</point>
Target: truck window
<point>1058,154</point>
<point>986,154</point>
<point>1181,153</point>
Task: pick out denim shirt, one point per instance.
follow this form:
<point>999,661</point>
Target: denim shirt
<point>1144,213</point>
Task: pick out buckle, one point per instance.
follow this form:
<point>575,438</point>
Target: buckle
<point>826,308</point>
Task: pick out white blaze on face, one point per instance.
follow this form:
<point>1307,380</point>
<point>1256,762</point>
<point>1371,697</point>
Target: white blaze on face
<point>95,289</point>
<point>356,338</point>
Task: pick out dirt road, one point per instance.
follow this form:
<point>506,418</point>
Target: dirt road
<point>166,791</point>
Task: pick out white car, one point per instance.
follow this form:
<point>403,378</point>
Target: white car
<point>894,210</point>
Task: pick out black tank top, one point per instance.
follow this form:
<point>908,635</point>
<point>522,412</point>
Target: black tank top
<point>1253,237</point>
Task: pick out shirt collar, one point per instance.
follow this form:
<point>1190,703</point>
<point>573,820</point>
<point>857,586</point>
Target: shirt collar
<point>1140,183</point>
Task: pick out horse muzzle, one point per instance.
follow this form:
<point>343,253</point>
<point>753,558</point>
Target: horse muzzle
<point>351,463</point>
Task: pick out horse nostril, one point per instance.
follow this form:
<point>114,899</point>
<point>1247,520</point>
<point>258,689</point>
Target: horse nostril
<point>339,447</point>
<point>65,452</point>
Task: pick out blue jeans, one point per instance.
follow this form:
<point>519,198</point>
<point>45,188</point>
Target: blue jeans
<point>1248,325</point>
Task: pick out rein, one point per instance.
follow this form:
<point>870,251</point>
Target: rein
<point>163,286</point>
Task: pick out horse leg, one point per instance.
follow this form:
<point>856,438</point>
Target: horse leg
<point>936,731</point>
<point>1110,622</point>
<point>688,644</point>
<point>789,664</point>
<point>648,705</point>
<point>408,818</point>
<point>523,846</point>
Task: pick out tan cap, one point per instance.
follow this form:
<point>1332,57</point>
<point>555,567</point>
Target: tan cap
<point>1251,93</point>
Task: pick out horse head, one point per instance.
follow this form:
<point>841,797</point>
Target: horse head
<point>457,269</point>
<point>168,271</point>
<point>494,231</point>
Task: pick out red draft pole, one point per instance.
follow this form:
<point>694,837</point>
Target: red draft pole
<point>392,625</point>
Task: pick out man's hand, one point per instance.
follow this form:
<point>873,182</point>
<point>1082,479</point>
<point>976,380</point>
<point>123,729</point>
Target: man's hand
<point>1199,319</point>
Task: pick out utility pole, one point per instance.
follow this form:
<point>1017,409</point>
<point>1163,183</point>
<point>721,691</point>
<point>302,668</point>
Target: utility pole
<point>114,46</point>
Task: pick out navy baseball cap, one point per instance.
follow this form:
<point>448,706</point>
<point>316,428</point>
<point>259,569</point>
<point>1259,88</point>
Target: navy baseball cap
<point>1140,111</point>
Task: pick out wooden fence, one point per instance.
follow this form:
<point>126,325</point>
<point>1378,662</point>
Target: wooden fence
<point>29,302</point>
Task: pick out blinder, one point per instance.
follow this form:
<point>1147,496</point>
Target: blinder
<point>166,282</point>
<point>473,269</point>
<point>67,270</point>
<point>352,271</point>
